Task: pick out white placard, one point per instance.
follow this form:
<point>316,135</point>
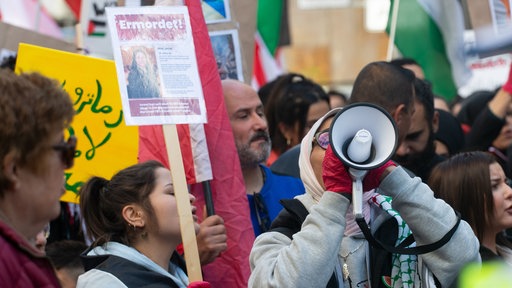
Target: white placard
<point>156,65</point>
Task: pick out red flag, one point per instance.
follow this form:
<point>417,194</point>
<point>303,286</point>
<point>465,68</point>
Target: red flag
<point>231,268</point>
<point>74,6</point>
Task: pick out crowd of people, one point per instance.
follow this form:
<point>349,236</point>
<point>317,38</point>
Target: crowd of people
<point>441,202</point>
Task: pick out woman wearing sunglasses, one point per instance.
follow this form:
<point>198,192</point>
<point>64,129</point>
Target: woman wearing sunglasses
<point>35,111</point>
<point>328,249</point>
<point>475,184</point>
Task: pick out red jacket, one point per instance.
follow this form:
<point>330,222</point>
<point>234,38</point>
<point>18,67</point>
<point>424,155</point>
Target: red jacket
<point>21,264</point>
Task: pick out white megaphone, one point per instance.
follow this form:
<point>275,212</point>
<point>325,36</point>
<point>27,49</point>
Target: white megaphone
<point>364,137</point>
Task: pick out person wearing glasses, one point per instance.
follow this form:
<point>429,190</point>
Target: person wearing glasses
<point>250,130</point>
<point>133,219</point>
<point>35,112</point>
<point>329,248</point>
<point>475,184</point>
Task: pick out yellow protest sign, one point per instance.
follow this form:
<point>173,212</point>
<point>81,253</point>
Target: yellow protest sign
<point>105,144</point>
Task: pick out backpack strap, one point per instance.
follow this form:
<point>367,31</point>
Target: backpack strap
<point>289,221</point>
<point>407,251</point>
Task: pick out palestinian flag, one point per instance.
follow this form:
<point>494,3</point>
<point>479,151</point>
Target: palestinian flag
<point>431,32</point>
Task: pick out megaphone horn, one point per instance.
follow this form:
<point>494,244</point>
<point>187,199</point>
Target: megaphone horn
<point>363,136</point>
<point>360,148</point>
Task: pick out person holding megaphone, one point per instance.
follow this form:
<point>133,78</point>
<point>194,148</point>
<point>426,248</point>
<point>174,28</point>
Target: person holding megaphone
<point>319,240</point>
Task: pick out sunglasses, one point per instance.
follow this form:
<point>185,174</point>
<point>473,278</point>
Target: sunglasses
<point>67,151</point>
<point>322,139</point>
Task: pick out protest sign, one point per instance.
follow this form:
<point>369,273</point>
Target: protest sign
<point>156,65</point>
<point>105,143</point>
<point>159,83</point>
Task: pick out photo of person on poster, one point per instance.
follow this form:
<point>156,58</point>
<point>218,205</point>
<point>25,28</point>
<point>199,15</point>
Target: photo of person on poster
<point>142,76</point>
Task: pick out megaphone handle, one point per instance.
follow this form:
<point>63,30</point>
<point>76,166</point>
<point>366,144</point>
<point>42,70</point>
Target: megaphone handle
<point>357,190</point>
<point>357,197</point>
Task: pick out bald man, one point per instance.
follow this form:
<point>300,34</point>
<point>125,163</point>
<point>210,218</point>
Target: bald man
<point>250,130</point>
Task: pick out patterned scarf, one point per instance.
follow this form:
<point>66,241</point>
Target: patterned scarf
<point>404,266</point>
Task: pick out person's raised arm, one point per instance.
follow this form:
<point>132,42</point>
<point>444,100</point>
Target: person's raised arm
<point>499,104</point>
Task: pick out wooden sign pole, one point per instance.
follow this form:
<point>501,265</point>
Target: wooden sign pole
<point>179,181</point>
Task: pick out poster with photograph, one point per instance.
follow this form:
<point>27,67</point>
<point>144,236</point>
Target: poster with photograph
<point>156,65</point>
<point>216,11</point>
<point>226,49</point>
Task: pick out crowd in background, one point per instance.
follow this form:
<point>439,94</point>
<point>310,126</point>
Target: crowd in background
<point>448,179</point>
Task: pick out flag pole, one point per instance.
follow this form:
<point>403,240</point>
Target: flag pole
<point>208,199</point>
<point>392,30</point>
<point>179,181</point>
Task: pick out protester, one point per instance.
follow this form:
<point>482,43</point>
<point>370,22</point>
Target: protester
<point>142,77</point>
<point>135,223</point>
<point>449,136</point>
<point>35,112</point>
<point>330,240</point>
<point>65,256</point>
<point>417,152</point>
<point>337,99</point>
<point>250,130</point>
<point>390,87</point>
<point>288,163</point>
<point>455,105</point>
<point>410,64</point>
<point>487,119</point>
<point>386,85</point>
<point>474,184</point>
<point>328,249</point>
<point>211,238</point>
<point>292,104</point>
<point>441,104</point>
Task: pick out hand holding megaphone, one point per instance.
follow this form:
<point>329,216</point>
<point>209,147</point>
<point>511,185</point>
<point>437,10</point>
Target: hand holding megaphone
<point>363,137</point>
<point>340,179</point>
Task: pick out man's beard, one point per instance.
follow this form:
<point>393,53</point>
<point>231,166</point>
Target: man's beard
<point>252,157</point>
<point>414,162</point>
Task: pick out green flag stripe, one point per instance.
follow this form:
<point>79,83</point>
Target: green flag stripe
<point>417,36</point>
<point>269,22</point>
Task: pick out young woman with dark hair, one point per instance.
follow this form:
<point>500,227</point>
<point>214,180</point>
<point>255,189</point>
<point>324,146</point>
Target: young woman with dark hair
<point>134,221</point>
<point>474,184</point>
<point>293,103</point>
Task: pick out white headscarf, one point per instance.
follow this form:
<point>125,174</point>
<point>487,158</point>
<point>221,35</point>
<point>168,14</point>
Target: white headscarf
<point>314,189</point>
